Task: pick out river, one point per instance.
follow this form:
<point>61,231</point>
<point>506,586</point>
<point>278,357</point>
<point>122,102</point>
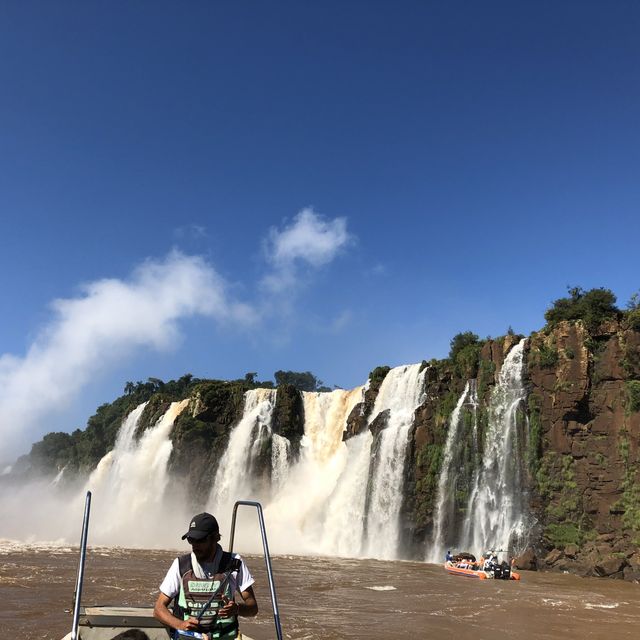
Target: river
<point>327,598</point>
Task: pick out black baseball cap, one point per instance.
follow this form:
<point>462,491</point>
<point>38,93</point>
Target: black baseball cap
<point>201,526</point>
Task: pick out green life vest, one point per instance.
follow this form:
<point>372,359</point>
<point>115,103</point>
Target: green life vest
<point>195,593</point>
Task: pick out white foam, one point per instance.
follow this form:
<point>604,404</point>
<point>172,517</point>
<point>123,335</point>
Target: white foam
<point>593,605</point>
<point>386,587</point>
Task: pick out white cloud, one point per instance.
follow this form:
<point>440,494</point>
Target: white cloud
<point>309,239</point>
<point>97,329</point>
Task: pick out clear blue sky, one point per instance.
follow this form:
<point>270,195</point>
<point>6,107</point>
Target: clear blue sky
<point>458,165</point>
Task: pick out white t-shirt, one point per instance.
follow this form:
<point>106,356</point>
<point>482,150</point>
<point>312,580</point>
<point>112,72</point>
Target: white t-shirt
<point>239,580</point>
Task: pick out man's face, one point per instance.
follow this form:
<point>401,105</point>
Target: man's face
<point>204,549</point>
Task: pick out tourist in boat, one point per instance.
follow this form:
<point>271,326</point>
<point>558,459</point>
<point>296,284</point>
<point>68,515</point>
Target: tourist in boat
<point>449,557</point>
<point>206,574</point>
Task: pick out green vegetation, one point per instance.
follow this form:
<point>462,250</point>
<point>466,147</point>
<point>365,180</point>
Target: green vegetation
<point>465,354</point>
<point>592,307</point>
<point>303,381</point>
<point>444,409</point>
<point>562,535</point>
<point>54,451</point>
<point>378,375</point>
<point>631,316</point>
<point>534,438</point>
<point>544,352</point>
<point>632,319</point>
<point>83,449</point>
<point>173,388</point>
<point>547,356</point>
<point>486,373</point>
<point>428,464</point>
<point>629,502</point>
<point>632,400</point>
<point>566,521</point>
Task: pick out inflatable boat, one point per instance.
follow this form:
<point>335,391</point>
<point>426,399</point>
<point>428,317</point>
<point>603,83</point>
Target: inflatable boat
<point>465,565</point>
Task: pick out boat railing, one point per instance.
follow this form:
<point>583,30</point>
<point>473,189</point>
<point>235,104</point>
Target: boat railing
<point>267,557</point>
<point>80,578</point>
<point>103,623</point>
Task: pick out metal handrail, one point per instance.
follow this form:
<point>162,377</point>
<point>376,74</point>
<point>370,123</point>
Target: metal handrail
<point>79,580</point>
<point>267,557</point>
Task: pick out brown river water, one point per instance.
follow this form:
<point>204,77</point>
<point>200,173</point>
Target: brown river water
<point>327,598</point>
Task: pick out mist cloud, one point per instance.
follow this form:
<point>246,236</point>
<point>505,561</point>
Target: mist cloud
<point>97,329</point>
<point>309,241</point>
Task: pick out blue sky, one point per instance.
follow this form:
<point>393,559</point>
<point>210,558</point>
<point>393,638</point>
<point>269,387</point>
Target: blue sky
<point>224,187</point>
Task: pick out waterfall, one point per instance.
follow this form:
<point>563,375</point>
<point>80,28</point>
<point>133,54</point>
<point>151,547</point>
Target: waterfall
<point>334,497</point>
<point>280,457</point>
<point>496,511</point>
<point>343,531</point>
<point>233,478</point>
<point>306,505</point>
<point>59,476</point>
<point>129,482</point>
<point>401,393</point>
<point>452,471</point>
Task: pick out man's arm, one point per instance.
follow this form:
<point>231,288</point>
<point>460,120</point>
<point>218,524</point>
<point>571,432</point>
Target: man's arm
<point>246,609</point>
<point>162,613</point>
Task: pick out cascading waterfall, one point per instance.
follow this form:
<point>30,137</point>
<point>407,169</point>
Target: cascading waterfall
<point>334,497</point>
<point>401,393</point>
<point>233,478</point>
<point>130,481</point>
<point>452,471</point>
<point>346,508</point>
<point>59,476</point>
<point>496,512</point>
<point>280,458</point>
<point>303,505</point>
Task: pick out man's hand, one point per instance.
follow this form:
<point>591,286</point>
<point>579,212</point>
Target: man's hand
<point>231,608</point>
<point>191,624</point>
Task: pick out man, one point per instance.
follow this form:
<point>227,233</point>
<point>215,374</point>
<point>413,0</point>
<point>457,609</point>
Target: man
<point>194,578</point>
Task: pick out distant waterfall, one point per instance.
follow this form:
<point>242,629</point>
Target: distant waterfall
<point>496,512</point>
<point>401,393</point>
<point>233,476</point>
<point>453,471</point>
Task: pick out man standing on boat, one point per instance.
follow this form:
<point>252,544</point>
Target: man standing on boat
<point>202,585</point>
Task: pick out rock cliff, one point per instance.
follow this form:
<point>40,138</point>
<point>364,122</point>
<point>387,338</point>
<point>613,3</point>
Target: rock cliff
<point>583,406</point>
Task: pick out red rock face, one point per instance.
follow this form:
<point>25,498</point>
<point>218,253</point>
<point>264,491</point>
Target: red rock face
<point>579,382</point>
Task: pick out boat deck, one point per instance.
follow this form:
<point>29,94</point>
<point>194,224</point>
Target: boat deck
<point>104,623</point>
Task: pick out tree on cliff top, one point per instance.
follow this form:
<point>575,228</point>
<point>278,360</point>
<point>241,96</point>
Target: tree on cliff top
<point>303,381</point>
<point>465,353</point>
<point>592,307</point>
